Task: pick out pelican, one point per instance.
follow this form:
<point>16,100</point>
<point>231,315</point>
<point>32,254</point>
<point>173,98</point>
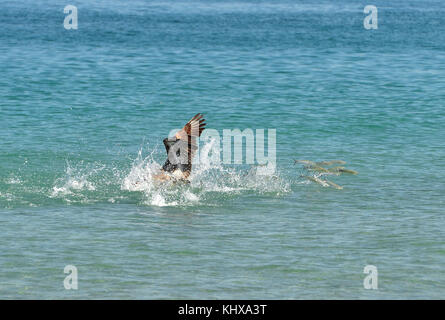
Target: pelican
<point>180,151</point>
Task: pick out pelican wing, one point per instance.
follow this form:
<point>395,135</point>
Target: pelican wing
<point>189,134</point>
<point>193,128</point>
<point>191,131</point>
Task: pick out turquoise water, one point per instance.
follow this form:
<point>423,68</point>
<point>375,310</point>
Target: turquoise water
<point>83,114</point>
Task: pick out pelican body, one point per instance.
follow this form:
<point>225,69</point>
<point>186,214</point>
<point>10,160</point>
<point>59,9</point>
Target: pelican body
<point>180,151</point>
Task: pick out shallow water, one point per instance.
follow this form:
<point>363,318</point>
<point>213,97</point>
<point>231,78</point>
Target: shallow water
<point>83,114</point>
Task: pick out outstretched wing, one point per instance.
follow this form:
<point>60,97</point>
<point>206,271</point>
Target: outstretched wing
<point>193,128</point>
<point>184,146</point>
<point>191,131</point>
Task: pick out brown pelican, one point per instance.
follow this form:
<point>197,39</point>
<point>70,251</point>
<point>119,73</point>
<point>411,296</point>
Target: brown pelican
<point>180,151</point>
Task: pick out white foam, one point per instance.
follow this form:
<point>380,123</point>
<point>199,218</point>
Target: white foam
<point>74,180</point>
<point>13,180</point>
<point>210,181</point>
<point>208,176</point>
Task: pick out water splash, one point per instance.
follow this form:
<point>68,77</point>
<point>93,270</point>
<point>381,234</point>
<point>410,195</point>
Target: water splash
<point>209,181</point>
<point>122,181</point>
<point>76,179</point>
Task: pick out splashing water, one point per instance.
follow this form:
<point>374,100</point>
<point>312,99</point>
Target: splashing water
<point>75,179</point>
<point>86,182</point>
<point>209,180</point>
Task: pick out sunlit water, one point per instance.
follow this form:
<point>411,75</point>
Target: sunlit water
<point>83,114</point>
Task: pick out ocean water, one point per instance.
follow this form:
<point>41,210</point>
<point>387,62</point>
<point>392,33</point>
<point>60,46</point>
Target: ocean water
<point>83,114</point>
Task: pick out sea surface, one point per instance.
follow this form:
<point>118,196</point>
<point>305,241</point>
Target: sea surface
<point>83,114</point>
